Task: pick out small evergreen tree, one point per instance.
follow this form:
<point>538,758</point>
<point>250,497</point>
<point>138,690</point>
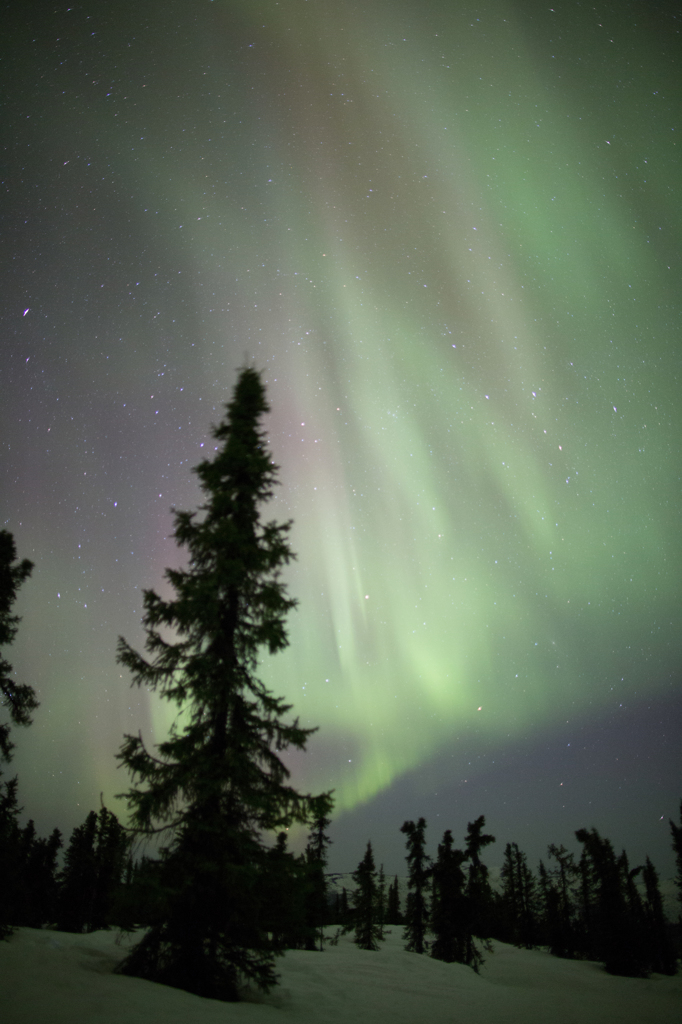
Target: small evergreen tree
<point>519,899</point>
<point>657,942</point>
<point>393,915</point>
<point>10,858</point>
<point>419,873</point>
<point>676,833</point>
<point>478,888</point>
<point>612,935</point>
<point>218,783</point>
<point>559,903</point>
<point>317,911</point>
<point>111,852</point>
<point>285,891</point>
<point>345,912</point>
<point>36,889</point>
<point>19,700</point>
<point>381,901</point>
<point>450,916</point>
<point>139,902</point>
<point>365,902</point>
<point>78,878</point>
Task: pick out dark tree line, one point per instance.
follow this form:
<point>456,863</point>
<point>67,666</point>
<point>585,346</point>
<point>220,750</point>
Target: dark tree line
<point>590,909</point>
<point>88,893</point>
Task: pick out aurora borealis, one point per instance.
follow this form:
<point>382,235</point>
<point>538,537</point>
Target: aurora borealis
<point>449,235</point>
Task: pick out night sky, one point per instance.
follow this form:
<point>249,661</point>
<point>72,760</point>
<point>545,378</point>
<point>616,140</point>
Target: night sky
<point>449,235</point>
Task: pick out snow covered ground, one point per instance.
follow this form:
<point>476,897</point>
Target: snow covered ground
<point>51,977</point>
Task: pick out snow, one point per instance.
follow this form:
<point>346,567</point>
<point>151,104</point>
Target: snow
<point>49,977</point>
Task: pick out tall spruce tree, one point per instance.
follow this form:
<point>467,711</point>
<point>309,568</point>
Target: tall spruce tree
<point>611,931</point>
<point>450,916</point>
<point>559,900</point>
<point>519,898</point>
<point>38,887</point>
<point>478,886</point>
<point>217,784</point>
<point>368,931</point>
<point>317,907</point>
<point>18,698</point>
<point>419,873</point>
<point>676,833</point>
<point>393,915</point>
<point>657,940</point>
<point>381,901</point>
<point>11,868</point>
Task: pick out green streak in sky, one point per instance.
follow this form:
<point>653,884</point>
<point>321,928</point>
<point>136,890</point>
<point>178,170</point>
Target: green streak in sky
<point>447,243</point>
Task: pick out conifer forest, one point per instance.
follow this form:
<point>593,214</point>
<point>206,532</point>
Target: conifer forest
<point>198,865</point>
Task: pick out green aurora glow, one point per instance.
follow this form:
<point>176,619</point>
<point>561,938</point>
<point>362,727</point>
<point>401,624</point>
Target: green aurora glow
<point>446,231</point>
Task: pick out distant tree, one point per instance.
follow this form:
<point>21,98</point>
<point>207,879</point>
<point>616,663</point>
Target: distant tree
<point>140,900</point>
<point>419,873</point>
<point>218,784</point>
<point>36,886</point>
<point>365,903</point>
<point>285,893</point>
<point>316,902</point>
<point>18,698</point>
<point>112,846</point>
<point>393,915</point>
<point>559,900</point>
<point>450,910</point>
<point>20,701</point>
<point>676,833</point>
<point>519,898</point>
<point>45,877</point>
<point>344,911</point>
<point>381,901</point>
<point>10,858</point>
<point>478,885</point>
<point>611,933</point>
<point>657,942</point>
<point>78,878</point>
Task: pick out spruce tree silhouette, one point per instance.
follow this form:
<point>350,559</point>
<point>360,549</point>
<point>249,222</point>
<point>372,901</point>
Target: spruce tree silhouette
<point>381,901</point>
<point>676,833</point>
<point>450,917</point>
<point>11,867</point>
<point>217,783</point>
<point>368,932</point>
<point>316,902</point>
<point>20,700</point>
<point>284,892</point>
<point>559,900</point>
<point>519,898</point>
<point>92,876</point>
<point>657,940</point>
<point>478,886</point>
<point>393,915</point>
<point>78,879</point>
<point>37,888</point>
<point>419,873</point>
<point>610,928</point>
